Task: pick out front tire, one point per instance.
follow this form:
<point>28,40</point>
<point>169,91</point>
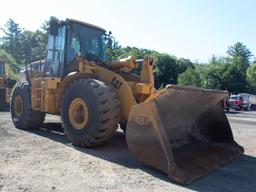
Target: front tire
<point>23,116</point>
<point>90,112</point>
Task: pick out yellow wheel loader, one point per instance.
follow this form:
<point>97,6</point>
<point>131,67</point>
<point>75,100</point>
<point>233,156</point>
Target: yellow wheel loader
<point>181,131</point>
<point>6,85</point>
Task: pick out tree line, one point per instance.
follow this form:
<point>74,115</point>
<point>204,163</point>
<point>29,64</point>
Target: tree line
<point>235,72</point>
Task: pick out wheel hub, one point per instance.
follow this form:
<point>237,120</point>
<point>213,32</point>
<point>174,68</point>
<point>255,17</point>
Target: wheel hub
<point>18,105</point>
<point>78,113</point>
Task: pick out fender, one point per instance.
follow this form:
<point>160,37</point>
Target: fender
<point>120,86</point>
<point>65,83</point>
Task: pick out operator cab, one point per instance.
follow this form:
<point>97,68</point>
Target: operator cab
<point>70,38</point>
<point>2,68</point>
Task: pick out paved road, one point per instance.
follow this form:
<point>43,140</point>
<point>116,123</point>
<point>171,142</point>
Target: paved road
<point>245,119</point>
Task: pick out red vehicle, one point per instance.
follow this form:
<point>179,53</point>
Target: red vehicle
<point>227,105</point>
<point>236,102</point>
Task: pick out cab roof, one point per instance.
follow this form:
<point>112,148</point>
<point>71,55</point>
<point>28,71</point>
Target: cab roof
<point>85,24</point>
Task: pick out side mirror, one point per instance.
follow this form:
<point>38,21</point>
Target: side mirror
<point>54,27</point>
<point>109,40</point>
<point>109,43</point>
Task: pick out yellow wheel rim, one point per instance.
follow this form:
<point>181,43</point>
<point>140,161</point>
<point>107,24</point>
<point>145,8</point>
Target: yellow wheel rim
<point>18,105</point>
<point>78,113</point>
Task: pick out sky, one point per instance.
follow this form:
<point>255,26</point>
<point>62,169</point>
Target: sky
<point>193,29</point>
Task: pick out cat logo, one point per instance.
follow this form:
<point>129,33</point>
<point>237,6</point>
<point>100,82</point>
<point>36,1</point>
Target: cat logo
<point>116,83</point>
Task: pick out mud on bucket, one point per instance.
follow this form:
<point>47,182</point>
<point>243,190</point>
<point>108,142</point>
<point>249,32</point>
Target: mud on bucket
<point>183,132</point>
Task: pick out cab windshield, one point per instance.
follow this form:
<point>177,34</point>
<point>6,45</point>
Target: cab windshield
<point>87,41</point>
<point>234,97</point>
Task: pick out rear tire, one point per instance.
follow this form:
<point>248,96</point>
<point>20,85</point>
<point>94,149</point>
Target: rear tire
<point>3,104</point>
<point>23,116</point>
<point>90,112</point>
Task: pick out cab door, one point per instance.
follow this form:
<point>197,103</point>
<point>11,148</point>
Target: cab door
<point>55,53</point>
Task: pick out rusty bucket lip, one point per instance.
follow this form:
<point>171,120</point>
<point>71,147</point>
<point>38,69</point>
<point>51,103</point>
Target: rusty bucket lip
<point>190,88</point>
<point>186,181</point>
<point>172,87</point>
<point>180,176</point>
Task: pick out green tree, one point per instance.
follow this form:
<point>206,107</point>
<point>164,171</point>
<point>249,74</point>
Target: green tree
<point>212,74</point>
<point>34,45</point>
<point>183,64</point>
<point>39,45</point>
<point>12,68</point>
<point>113,53</point>
<point>165,71</point>
<point>190,77</point>
<point>251,77</point>
<point>240,55</point>
<point>235,74</point>
<point>11,41</point>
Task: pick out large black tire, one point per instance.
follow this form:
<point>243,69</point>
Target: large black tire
<point>24,117</point>
<point>3,104</point>
<point>103,111</point>
<point>9,83</point>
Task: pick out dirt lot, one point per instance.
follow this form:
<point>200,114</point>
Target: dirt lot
<point>44,160</point>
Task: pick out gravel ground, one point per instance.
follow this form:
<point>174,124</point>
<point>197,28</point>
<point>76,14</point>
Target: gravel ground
<point>44,160</point>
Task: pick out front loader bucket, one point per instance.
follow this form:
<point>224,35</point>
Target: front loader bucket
<point>183,132</point>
